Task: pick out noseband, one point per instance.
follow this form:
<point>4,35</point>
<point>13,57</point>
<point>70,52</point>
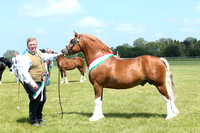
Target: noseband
<point>74,42</point>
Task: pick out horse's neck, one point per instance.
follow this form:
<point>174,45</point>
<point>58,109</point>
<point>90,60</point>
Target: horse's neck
<point>92,52</point>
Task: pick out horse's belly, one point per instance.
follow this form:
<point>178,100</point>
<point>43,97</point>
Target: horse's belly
<point>122,83</point>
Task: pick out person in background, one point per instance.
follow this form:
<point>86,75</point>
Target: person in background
<point>49,62</point>
<point>16,66</point>
<point>32,69</point>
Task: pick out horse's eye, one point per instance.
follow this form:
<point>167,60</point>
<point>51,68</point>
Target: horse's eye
<point>72,41</point>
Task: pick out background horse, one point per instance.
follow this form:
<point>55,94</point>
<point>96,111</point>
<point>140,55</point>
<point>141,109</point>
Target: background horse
<point>107,71</point>
<point>3,63</point>
<point>64,64</point>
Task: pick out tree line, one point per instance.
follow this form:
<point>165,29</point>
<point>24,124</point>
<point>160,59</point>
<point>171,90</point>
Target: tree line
<point>164,47</point>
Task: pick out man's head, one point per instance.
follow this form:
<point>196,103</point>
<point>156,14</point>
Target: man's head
<point>48,50</point>
<point>15,53</point>
<point>32,44</point>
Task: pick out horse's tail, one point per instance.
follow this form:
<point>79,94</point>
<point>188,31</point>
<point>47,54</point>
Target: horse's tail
<point>169,83</point>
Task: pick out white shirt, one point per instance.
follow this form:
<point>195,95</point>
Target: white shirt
<point>26,63</point>
<point>15,61</point>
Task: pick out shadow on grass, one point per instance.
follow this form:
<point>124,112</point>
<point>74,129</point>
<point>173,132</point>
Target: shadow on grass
<point>122,115</point>
<point>23,120</point>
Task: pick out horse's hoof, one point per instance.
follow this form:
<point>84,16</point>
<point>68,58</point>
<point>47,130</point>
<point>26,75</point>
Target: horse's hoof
<point>96,118</point>
<point>0,83</point>
<point>176,111</point>
<point>170,116</point>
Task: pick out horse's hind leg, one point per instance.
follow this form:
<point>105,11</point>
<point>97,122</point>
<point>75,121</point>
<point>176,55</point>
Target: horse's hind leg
<point>172,111</point>
<point>66,81</point>
<point>82,74</point>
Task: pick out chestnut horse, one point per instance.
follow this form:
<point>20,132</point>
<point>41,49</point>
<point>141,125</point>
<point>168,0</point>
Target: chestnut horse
<point>107,71</point>
<point>64,64</point>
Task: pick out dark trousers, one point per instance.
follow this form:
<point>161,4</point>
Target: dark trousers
<point>35,105</point>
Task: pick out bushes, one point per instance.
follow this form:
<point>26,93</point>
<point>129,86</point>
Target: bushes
<point>130,52</point>
<point>172,51</point>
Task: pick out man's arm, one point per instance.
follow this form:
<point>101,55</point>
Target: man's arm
<point>50,57</point>
<point>25,64</point>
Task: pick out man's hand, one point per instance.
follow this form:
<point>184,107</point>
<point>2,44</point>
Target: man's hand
<point>35,86</point>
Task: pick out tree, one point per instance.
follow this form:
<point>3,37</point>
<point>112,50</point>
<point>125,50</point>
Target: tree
<point>136,51</point>
<point>194,52</point>
<point>153,48</point>
<point>140,42</point>
<point>165,40</point>
<point>9,54</point>
<point>172,51</point>
<point>126,45</point>
<point>191,39</point>
<point>122,51</point>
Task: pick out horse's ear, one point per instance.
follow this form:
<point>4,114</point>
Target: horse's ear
<point>76,34</point>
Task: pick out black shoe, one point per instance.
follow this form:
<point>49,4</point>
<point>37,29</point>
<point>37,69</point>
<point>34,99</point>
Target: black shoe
<point>37,124</point>
<point>42,120</point>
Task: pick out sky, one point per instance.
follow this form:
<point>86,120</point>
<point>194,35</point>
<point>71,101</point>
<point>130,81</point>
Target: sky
<point>114,22</point>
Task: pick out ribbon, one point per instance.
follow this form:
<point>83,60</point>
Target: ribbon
<point>43,76</point>
<point>97,61</point>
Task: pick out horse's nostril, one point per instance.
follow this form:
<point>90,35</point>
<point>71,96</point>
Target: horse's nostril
<point>64,51</point>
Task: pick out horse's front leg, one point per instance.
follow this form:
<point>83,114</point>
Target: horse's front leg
<point>66,81</point>
<point>1,72</point>
<point>62,80</point>
<point>97,114</point>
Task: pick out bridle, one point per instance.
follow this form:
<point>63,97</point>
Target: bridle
<point>74,42</point>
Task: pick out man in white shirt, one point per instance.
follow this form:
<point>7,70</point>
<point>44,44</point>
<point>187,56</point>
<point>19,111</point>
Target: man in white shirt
<point>32,67</point>
<point>16,66</point>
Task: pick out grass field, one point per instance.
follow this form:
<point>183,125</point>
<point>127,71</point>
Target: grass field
<point>140,109</point>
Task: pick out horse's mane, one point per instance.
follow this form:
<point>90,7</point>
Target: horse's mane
<point>5,60</point>
<point>98,43</point>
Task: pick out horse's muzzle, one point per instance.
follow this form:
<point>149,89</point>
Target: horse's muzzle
<point>65,51</point>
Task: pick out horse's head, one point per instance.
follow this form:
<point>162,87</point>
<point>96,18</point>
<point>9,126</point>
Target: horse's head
<point>73,46</point>
<point>9,64</point>
<point>6,61</point>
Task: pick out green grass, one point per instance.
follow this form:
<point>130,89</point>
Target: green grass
<point>140,109</point>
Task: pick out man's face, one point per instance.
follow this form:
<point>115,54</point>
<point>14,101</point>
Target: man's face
<point>15,53</point>
<point>32,45</point>
<point>48,51</point>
